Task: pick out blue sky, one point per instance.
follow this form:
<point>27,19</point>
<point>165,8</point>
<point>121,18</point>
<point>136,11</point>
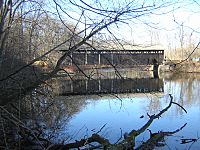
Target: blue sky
<point>159,28</point>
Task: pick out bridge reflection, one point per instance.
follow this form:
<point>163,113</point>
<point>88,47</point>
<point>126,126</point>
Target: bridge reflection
<point>108,86</point>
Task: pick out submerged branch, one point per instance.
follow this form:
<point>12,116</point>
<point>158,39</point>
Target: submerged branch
<point>158,137</point>
<point>180,106</point>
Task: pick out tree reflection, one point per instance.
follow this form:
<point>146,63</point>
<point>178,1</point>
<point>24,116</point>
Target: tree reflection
<point>40,115</point>
<point>185,89</point>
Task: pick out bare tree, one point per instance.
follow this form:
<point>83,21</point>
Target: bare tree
<point>68,25</point>
<point>92,20</point>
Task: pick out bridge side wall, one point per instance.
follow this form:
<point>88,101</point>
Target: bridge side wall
<point>127,59</point>
<point>92,59</point>
<point>106,59</point>
<point>79,58</point>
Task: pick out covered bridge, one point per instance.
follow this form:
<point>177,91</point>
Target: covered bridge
<point>116,57</point>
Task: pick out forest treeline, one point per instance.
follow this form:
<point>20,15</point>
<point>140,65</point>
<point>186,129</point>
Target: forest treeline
<point>27,32</point>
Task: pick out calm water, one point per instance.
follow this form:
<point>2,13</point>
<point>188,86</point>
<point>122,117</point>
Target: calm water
<point>76,117</point>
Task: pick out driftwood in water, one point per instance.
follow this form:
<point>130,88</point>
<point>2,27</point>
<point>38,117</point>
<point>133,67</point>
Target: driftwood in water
<point>156,138</point>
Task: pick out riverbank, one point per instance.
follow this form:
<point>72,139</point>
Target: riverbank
<point>185,67</point>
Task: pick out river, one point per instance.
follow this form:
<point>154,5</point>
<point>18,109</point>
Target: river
<point>75,109</point>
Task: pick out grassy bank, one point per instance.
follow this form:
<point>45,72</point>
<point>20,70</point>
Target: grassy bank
<point>186,67</point>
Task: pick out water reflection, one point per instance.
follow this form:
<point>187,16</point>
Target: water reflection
<point>126,115</point>
<point>62,118</point>
<point>185,88</point>
<point>64,86</point>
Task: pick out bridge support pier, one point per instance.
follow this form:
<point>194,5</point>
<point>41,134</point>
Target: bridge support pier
<point>155,71</point>
<point>155,68</point>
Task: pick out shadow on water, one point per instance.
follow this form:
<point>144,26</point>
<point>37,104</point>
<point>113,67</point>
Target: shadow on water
<point>112,108</point>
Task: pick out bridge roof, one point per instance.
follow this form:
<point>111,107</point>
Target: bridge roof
<point>121,51</point>
<point>161,51</point>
